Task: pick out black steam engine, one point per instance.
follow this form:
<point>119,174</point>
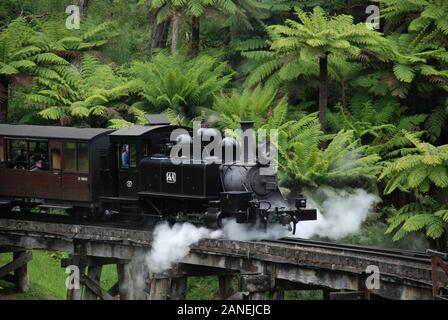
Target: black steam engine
<point>132,172</point>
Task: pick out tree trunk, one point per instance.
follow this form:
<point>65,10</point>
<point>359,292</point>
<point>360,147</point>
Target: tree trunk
<point>175,36</point>
<point>195,32</point>
<point>227,37</point>
<point>323,91</point>
<point>159,33</point>
<point>84,6</point>
<point>22,5</point>
<point>4,96</point>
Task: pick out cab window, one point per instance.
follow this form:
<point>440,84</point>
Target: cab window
<point>127,155</point>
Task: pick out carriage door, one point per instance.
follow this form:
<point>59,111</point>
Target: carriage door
<point>128,179</point>
<point>55,150</point>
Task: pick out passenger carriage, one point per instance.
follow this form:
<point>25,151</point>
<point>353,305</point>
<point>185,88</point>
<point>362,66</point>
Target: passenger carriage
<point>57,167</point>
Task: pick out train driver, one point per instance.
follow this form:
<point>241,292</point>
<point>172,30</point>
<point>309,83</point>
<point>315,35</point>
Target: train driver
<point>125,156</point>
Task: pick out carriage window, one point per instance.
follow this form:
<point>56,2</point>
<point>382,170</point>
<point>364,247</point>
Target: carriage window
<point>127,155</point>
<point>83,157</point>
<point>38,155</point>
<point>18,154</point>
<point>56,159</point>
<point>70,156</point>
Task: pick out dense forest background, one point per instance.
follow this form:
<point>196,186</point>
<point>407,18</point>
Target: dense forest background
<point>356,106</point>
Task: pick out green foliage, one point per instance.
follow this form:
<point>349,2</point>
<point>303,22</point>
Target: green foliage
<point>296,46</point>
<point>82,94</point>
<point>260,105</point>
<point>435,124</point>
<point>179,84</point>
<point>378,125</point>
<point>19,56</point>
<point>425,215</point>
<point>423,169</point>
<point>423,166</point>
<point>343,162</point>
<point>425,18</point>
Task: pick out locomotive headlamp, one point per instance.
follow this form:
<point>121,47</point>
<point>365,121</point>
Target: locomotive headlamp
<point>300,202</point>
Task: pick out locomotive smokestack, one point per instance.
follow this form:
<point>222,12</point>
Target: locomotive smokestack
<point>247,126</point>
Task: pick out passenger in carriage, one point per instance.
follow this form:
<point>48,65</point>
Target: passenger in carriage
<point>38,166</point>
<point>22,159</point>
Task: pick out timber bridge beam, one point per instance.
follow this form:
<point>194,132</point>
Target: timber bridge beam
<point>262,267</point>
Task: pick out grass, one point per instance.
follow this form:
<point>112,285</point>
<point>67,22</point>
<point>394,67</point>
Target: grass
<point>47,278</point>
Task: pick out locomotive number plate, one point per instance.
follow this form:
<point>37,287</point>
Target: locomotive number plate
<point>171,177</point>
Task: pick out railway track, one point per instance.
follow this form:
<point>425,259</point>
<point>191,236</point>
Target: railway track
<point>411,256</point>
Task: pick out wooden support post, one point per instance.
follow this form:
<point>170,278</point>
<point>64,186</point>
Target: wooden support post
<point>158,288</point>
<point>124,281</point>
<point>19,266</point>
<point>93,275</point>
<point>114,290</point>
<point>131,282</point>
<point>95,290</point>
<point>21,273</point>
<point>277,295</point>
<point>255,285</point>
<point>178,288</point>
<point>74,291</point>
<point>225,286</point>
<point>256,296</point>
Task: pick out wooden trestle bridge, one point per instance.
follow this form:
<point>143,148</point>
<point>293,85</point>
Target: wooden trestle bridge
<point>246,270</point>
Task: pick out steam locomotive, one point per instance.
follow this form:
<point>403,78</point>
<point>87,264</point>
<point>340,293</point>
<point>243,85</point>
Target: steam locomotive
<point>111,174</point>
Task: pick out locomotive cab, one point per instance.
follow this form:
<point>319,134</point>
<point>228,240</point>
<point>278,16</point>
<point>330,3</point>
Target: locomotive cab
<point>122,169</point>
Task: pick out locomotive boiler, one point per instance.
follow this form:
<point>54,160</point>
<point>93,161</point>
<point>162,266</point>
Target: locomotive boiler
<point>131,172</point>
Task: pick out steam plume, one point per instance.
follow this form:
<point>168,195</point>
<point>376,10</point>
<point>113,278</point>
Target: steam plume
<point>340,215</point>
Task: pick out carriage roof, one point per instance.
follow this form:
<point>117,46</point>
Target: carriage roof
<point>51,132</point>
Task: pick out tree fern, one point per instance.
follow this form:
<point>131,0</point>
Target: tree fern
<point>179,84</point>
<point>420,171</point>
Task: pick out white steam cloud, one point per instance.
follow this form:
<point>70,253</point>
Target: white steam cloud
<point>340,215</point>
<point>171,244</point>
